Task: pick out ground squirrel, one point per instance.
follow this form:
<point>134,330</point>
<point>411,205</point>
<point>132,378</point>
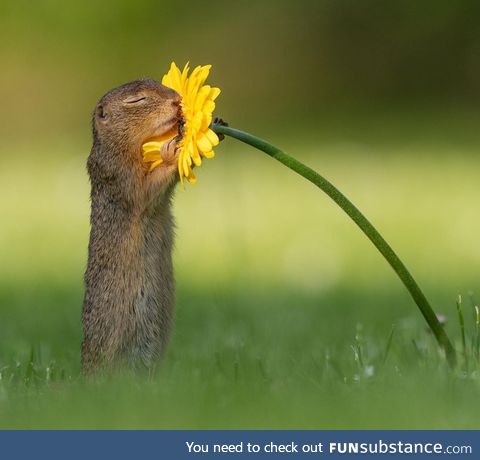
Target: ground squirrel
<point>129,283</point>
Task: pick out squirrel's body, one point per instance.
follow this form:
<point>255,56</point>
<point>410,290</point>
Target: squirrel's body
<point>129,282</point>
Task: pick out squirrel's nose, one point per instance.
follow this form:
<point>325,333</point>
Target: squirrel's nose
<point>174,96</point>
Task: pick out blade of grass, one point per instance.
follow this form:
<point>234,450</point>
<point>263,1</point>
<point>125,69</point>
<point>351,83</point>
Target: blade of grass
<point>462,330</point>
<point>29,368</point>
<point>389,345</point>
<point>477,332</point>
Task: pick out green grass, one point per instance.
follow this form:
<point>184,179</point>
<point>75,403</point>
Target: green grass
<point>285,311</point>
<point>252,360</point>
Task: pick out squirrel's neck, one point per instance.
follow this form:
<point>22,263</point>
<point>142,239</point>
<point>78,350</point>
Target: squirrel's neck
<point>117,225</point>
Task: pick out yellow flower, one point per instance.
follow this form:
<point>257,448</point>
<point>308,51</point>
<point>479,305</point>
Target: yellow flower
<point>197,106</point>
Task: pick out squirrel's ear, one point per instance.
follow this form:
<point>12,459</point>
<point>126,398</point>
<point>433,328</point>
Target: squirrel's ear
<point>101,112</point>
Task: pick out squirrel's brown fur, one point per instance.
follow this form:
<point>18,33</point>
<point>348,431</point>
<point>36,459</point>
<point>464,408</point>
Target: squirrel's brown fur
<point>129,283</point>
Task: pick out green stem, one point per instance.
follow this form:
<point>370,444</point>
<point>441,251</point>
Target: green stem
<point>364,224</point>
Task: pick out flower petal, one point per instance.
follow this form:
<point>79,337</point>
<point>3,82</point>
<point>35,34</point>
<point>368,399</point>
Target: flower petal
<point>214,92</point>
<point>155,164</point>
<point>201,98</point>
<point>152,146</point>
<point>212,137</point>
<point>204,144</point>
<point>208,107</point>
<point>152,156</point>
<point>206,121</point>
<point>191,177</point>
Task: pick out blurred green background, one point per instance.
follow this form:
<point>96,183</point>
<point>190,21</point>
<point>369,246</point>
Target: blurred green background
<point>285,311</point>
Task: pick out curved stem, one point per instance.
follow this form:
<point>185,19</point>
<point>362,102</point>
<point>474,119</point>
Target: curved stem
<point>364,224</point>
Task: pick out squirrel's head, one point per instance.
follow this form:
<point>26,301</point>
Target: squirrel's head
<point>124,119</point>
<point>133,113</point>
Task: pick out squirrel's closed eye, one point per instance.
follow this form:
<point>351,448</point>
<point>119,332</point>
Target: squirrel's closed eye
<point>134,99</point>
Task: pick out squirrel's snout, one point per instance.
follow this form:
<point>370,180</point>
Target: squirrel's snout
<point>176,98</point>
<point>178,108</point>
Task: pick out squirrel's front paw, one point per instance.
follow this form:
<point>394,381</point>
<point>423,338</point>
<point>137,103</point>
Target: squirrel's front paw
<point>169,151</point>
